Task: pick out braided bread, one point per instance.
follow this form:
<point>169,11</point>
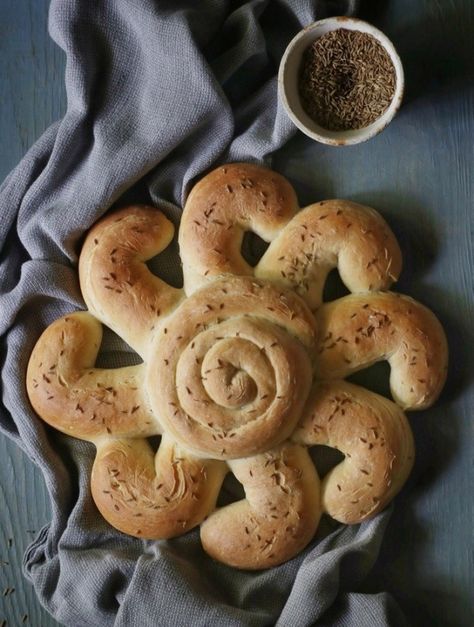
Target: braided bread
<point>242,369</point>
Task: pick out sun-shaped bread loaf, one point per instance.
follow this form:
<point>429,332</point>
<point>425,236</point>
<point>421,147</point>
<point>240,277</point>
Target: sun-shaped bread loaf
<point>243,369</point>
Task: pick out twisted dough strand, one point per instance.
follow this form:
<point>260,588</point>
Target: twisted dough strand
<point>152,496</point>
<point>358,330</point>
<point>376,439</point>
<point>232,199</point>
<point>116,284</point>
<point>278,517</point>
<point>330,234</point>
<point>71,395</point>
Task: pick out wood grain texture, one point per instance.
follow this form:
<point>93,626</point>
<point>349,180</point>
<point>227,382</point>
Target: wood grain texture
<point>31,98</point>
<point>419,174</point>
<point>24,506</point>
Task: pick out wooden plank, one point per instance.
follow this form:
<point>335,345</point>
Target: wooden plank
<point>32,94</point>
<point>31,98</point>
<point>25,509</point>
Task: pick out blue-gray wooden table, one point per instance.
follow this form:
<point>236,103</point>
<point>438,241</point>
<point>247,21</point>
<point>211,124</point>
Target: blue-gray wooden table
<point>420,174</point>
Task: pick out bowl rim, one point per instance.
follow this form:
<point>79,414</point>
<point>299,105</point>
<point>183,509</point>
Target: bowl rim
<point>346,137</point>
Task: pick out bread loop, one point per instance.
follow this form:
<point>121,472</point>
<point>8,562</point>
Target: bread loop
<point>70,394</point>
<point>232,368</point>
<point>330,234</point>
<point>153,496</point>
<point>232,199</point>
<point>277,518</point>
<point>356,331</point>
<point>117,286</point>
<point>375,437</point>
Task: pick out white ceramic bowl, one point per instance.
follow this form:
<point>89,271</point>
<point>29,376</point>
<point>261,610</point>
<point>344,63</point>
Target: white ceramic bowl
<point>288,82</point>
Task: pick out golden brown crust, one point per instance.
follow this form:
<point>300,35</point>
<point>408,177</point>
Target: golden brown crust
<point>330,234</point>
<point>278,517</point>
<point>232,199</point>
<point>232,373</point>
<point>117,286</point>
<point>360,329</point>
<point>376,439</point>
<point>153,497</point>
<point>70,394</point>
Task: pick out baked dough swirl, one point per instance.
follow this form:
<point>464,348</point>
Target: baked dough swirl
<point>234,368</point>
<point>242,369</point>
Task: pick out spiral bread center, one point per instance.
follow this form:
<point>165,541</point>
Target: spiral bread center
<point>230,372</point>
<point>232,369</point>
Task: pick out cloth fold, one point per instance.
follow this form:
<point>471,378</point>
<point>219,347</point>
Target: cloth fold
<point>158,91</point>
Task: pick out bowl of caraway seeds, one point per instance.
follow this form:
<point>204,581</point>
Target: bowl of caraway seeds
<point>341,81</point>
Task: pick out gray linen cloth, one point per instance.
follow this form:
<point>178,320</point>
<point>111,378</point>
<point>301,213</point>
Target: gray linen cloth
<point>158,91</point>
